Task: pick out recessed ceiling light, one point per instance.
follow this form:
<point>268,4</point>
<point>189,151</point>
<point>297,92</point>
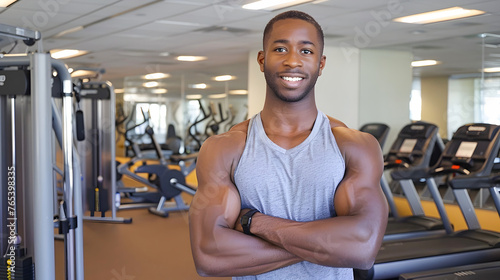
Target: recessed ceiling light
<point>238,92</point>
<point>272,5</point>
<point>191,58</point>
<point>159,90</point>
<point>62,54</point>
<point>223,78</point>
<point>83,73</point>
<point>492,69</point>
<point>150,84</point>
<point>439,15</point>
<point>198,86</point>
<point>153,76</point>
<point>194,96</point>
<point>217,96</point>
<point>5,3</point>
<point>420,63</point>
<point>14,54</point>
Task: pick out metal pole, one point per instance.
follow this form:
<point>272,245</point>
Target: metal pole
<point>42,192</point>
<point>68,165</point>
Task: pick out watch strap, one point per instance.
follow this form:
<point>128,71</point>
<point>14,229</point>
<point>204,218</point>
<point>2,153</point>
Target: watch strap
<point>246,221</point>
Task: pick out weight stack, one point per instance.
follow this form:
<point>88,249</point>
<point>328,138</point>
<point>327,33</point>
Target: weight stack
<point>24,269</point>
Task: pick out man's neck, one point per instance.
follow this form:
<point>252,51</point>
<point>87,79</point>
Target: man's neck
<point>289,118</point>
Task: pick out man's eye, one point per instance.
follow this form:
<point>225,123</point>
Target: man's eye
<point>280,50</point>
<point>307,51</point>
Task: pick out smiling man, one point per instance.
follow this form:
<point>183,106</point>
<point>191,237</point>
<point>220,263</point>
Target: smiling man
<point>290,193</point>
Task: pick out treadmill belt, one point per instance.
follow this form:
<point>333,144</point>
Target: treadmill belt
<point>394,228</point>
<point>469,272</point>
<point>420,248</point>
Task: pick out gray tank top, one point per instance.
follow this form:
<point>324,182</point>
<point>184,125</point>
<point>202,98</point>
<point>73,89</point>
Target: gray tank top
<point>297,184</point>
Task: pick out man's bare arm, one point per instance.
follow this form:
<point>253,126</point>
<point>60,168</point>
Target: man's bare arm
<point>218,249</point>
<point>353,238</point>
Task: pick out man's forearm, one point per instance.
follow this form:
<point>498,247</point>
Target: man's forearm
<point>318,241</point>
<point>232,253</point>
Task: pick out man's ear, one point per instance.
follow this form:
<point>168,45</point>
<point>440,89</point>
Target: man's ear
<point>322,64</point>
<point>260,60</point>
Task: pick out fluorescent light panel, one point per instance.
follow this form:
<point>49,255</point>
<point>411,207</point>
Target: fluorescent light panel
<point>62,54</point>
<point>238,92</point>
<point>150,84</point>
<point>194,96</point>
<point>217,96</point>
<point>420,63</point>
<point>272,5</point>
<point>159,90</point>
<point>224,78</point>
<point>5,3</point>
<point>198,86</point>
<point>83,73</point>
<point>440,15</point>
<point>492,69</point>
<point>153,76</point>
<point>190,58</point>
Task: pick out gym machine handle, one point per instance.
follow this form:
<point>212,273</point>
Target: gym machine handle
<point>395,164</point>
<point>442,170</point>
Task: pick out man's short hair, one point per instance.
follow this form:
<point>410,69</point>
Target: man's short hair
<point>295,15</point>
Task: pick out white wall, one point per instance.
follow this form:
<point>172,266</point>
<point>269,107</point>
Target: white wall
<point>384,93</point>
<point>460,103</point>
<point>337,89</point>
<point>256,85</point>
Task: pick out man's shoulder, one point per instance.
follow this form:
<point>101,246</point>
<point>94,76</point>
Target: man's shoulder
<point>230,142</point>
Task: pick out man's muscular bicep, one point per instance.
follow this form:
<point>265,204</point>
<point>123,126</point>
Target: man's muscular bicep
<point>364,168</point>
<point>216,193</point>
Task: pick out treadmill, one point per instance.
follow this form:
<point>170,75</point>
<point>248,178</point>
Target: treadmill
<point>417,146</point>
<point>378,130</point>
<point>480,271</point>
<point>469,154</point>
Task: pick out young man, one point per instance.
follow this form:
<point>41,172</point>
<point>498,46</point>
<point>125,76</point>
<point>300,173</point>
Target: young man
<point>291,193</point>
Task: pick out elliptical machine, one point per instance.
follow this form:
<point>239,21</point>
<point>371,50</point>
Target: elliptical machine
<point>168,183</point>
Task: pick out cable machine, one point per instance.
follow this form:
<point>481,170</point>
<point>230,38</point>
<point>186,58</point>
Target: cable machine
<point>28,117</point>
<point>98,151</point>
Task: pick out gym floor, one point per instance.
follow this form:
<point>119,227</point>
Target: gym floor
<point>151,247</point>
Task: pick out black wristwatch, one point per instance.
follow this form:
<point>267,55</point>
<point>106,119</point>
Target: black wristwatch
<point>246,221</point>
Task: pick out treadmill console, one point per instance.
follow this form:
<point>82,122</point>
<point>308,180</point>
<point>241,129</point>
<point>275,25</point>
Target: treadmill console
<point>472,149</point>
<point>413,147</point>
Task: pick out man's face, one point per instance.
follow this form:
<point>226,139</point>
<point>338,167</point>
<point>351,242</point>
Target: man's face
<point>292,59</point>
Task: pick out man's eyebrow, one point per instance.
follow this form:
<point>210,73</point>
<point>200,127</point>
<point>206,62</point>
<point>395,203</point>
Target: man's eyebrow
<point>282,41</point>
<point>285,41</point>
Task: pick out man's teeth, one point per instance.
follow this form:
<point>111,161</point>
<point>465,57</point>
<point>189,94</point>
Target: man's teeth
<point>292,79</point>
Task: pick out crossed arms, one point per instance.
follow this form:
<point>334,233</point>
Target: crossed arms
<point>352,239</point>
